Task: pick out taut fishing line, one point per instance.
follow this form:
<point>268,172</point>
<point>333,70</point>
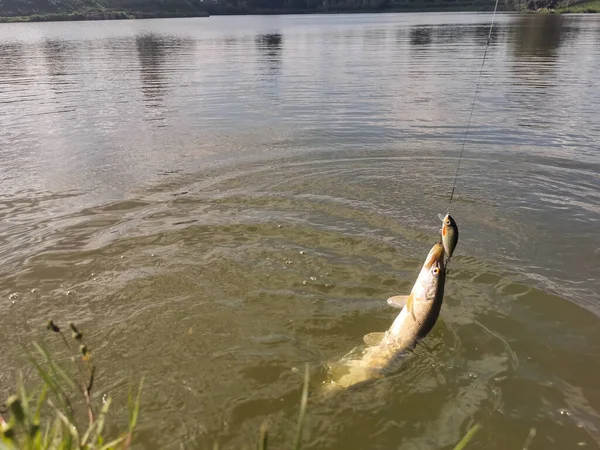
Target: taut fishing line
<point>472,107</point>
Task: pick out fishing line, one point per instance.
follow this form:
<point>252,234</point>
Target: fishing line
<point>487,44</point>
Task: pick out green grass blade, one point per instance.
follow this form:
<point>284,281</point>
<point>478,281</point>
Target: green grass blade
<point>529,439</point>
<point>87,434</point>
<point>71,428</point>
<point>114,443</point>
<point>467,438</point>
<point>134,407</point>
<point>302,414</point>
<point>55,368</point>
<point>24,400</point>
<point>45,376</point>
<point>51,434</point>
<point>264,434</point>
<point>43,444</point>
<point>51,383</point>
<point>40,402</point>
<point>101,419</point>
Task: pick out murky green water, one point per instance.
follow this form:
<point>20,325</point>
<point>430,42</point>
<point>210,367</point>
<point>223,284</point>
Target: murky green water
<point>160,179</point>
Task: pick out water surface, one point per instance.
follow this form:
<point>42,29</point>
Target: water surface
<point>160,179</point>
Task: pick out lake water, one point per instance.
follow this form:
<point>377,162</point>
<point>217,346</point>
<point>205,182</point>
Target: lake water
<point>160,179</point>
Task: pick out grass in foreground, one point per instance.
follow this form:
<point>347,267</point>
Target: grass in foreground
<point>46,418</point>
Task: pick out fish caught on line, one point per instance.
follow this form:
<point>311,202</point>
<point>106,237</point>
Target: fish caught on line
<point>420,310</point>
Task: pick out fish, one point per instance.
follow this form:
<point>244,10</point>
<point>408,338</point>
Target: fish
<point>449,234</point>
<point>419,313</point>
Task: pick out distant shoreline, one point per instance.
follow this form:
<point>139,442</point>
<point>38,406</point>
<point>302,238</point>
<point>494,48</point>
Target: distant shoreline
<point>571,7</point>
<point>592,7</point>
<point>86,16</point>
<point>583,7</point>
<point>122,15</point>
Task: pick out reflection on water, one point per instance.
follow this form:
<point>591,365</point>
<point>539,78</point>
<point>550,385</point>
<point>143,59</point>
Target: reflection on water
<point>541,85</point>
<point>228,199</point>
<point>540,36</point>
<point>270,46</point>
<point>420,36</point>
<point>152,54</point>
<point>56,54</point>
<point>449,34</point>
<point>12,63</point>
<point>157,56</point>
<point>271,43</point>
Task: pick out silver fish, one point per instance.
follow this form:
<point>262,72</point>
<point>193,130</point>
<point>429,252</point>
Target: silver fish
<point>413,323</point>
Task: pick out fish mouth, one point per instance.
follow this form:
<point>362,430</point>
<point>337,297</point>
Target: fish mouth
<point>435,255</point>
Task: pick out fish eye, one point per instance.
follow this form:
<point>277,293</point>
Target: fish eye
<point>448,222</point>
<point>436,270</point>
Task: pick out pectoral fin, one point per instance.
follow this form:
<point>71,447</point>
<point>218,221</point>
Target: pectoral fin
<point>398,301</point>
<point>373,338</point>
<point>410,306</point>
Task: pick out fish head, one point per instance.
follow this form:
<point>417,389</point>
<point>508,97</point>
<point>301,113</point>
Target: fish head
<point>435,256</point>
<point>434,272</point>
<point>447,223</point>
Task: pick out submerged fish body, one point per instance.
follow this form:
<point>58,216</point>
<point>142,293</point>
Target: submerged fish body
<point>449,233</point>
<point>412,324</point>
